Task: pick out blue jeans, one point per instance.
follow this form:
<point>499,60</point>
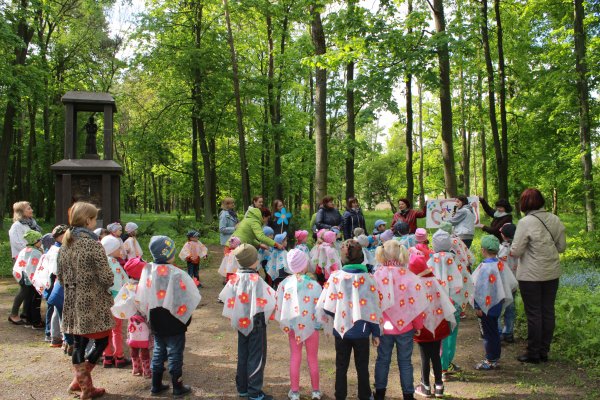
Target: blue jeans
<point>193,270</point>
<point>509,320</point>
<point>49,312</point>
<point>404,349</point>
<point>491,337</point>
<point>168,348</point>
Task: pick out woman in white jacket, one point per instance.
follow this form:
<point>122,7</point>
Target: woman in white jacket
<point>539,238</point>
<point>22,223</point>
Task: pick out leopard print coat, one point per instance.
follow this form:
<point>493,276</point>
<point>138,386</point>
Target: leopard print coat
<point>86,276</point>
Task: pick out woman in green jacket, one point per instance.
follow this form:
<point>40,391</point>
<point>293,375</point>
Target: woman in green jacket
<point>250,230</point>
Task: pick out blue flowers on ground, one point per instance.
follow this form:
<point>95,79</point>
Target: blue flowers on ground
<point>587,279</point>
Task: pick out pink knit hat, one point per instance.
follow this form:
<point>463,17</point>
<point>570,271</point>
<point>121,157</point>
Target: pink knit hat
<point>234,242</point>
<point>301,236</point>
<point>329,237</point>
<point>421,235</point>
<point>320,233</point>
<point>297,261</point>
<point>134,267</point>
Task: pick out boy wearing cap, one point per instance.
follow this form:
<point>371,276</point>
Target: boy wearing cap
<point>401,233</point>
<point>132,247</point>
<point>350,302</point>
<point>493,290</point>
<point>23,270</point>
<point>276,266</point>
<point>168,296</point>
<point>113,354</point>
<point>191,252</point>
<point>249,303</point>
<point>508,233</point>
<point>297,297</point>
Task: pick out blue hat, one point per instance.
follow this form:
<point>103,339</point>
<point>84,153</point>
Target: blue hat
<point>378,223</point>
<point>162,249</point>
<point>267,230</point>
<point>280,237</point>
<point>192,234</point>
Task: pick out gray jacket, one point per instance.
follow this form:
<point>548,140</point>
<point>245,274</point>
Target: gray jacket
<point>226,226</point>
<point>464,222</point>
<point>538,248</point>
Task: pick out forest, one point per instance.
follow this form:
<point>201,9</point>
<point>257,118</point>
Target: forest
<point>284,98</point>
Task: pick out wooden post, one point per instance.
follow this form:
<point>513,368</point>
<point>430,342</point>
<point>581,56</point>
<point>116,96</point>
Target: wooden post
<point>70,127</point>
<point>108,132</point>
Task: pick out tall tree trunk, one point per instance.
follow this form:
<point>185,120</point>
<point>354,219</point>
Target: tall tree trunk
<point>245,175</point>
<point>318,38</point>
<point>484,181</point>
<point>350,113</point>
<point>311,128</point>
<point>410,180</point>
<point>32,112</point>
<point>501,171</point>
<point>466,138</point>
<point>445,99</point>
<point>212,151</point>
<point>13,96</point>
<point>195,170</point>
<point>502,180</point>
<point>421,151</point>
<point>584,114</point>
<point>275,132</point>
<point>155,193</point>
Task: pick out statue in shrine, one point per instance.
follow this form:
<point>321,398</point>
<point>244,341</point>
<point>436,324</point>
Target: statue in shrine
<point>90,142</point>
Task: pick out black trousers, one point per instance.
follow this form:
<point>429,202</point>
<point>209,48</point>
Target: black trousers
<point>252,357</point>
<point>343,350</point>
<point>79,345</point>
<point>430,358</point>
<point>538,299</point>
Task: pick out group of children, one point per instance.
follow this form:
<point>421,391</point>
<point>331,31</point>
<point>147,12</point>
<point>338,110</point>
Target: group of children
<point>404,292</point>
<point>388,288</point>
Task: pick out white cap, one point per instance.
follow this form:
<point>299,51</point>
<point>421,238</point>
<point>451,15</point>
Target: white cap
<point>98,231</point>
<point>110,244</point>
<point>130,227</point>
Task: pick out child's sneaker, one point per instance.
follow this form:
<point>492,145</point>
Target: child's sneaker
<point>47,338</point>
<point>508,338</point>
<point>452,368</point>
<point>445,376</point>
<point>108,362</point>
<point>423,390</point>
<point>486,365</point>
<point>439,391</point>
<point>316,395</point>
<point>293,395</point>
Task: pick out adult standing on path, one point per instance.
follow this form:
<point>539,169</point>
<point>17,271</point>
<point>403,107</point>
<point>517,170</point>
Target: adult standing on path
<point>23,222</point>
<point>257,202</point>
<point>328,217</point>
<point>539,238</point>
<point>500,216</point>
<point>353,218</point>
<point>463,220</point>
<point>86,276</point>
<point>277,206</point>
<point>250,230</point>
<point>407,214</point>
<point>228,220</point>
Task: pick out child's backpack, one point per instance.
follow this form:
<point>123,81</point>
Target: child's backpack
<point>138,333</point>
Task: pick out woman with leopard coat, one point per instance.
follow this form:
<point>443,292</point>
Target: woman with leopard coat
<point>86,277</point>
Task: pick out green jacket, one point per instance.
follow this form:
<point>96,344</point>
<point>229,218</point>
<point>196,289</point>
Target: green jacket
<point>250,230</point>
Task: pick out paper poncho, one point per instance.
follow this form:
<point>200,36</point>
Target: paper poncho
<point>402,297</point>
<point>125,304</point>
<point>407,241</point>
<point>507,258</point>
<point>350,297</point>
<point>297,298</point>
<point>303,247</point>
<point>194,250</point>
<point>264,255</point>
<point>493,283</point>
<point>120,277</point>
<point>229,265</point>
<point>245,295</point>
<point>439,305</point>
<point>132,248</point>
<point>47,266</point>
<point>464,256</point>
<point>26,264</point>
<point>166,286</point>
<point>453,276</point>
<point>327,258</point>
<point>276,263</point>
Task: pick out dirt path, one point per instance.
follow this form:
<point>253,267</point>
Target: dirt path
<point>29,369</point>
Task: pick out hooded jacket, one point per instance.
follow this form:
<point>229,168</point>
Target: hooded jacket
<point>353,219</point>
<point>250,230</point>
<point>464,222</point>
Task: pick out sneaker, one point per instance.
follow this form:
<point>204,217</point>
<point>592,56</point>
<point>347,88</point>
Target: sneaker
<point>38,326</point>
<point>316,395</point>
<point>422,390</point>
<point>445,376</point>
<point>243,395</point>
<point>452,368</point>
<point>486,365</point>
<point>508,338</point>
<point>439,391</point>
<point>47,338</point>
<point>293,395</point>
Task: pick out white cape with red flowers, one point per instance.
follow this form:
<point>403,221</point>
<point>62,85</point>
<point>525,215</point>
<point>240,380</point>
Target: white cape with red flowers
<point>350,297</point>
<point>297,297</point>
<point>464,255</point>
<point>125,305</point>
<point>47,266</point>
<point>26,263</point>
<point>493,283</point>
<point>245,295</point>
<point>439,305</point>
<point>454,276</point>
<point>166,286</point>
<point>326,259</point>
<point>229,265</point>
<point>401,294</point>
